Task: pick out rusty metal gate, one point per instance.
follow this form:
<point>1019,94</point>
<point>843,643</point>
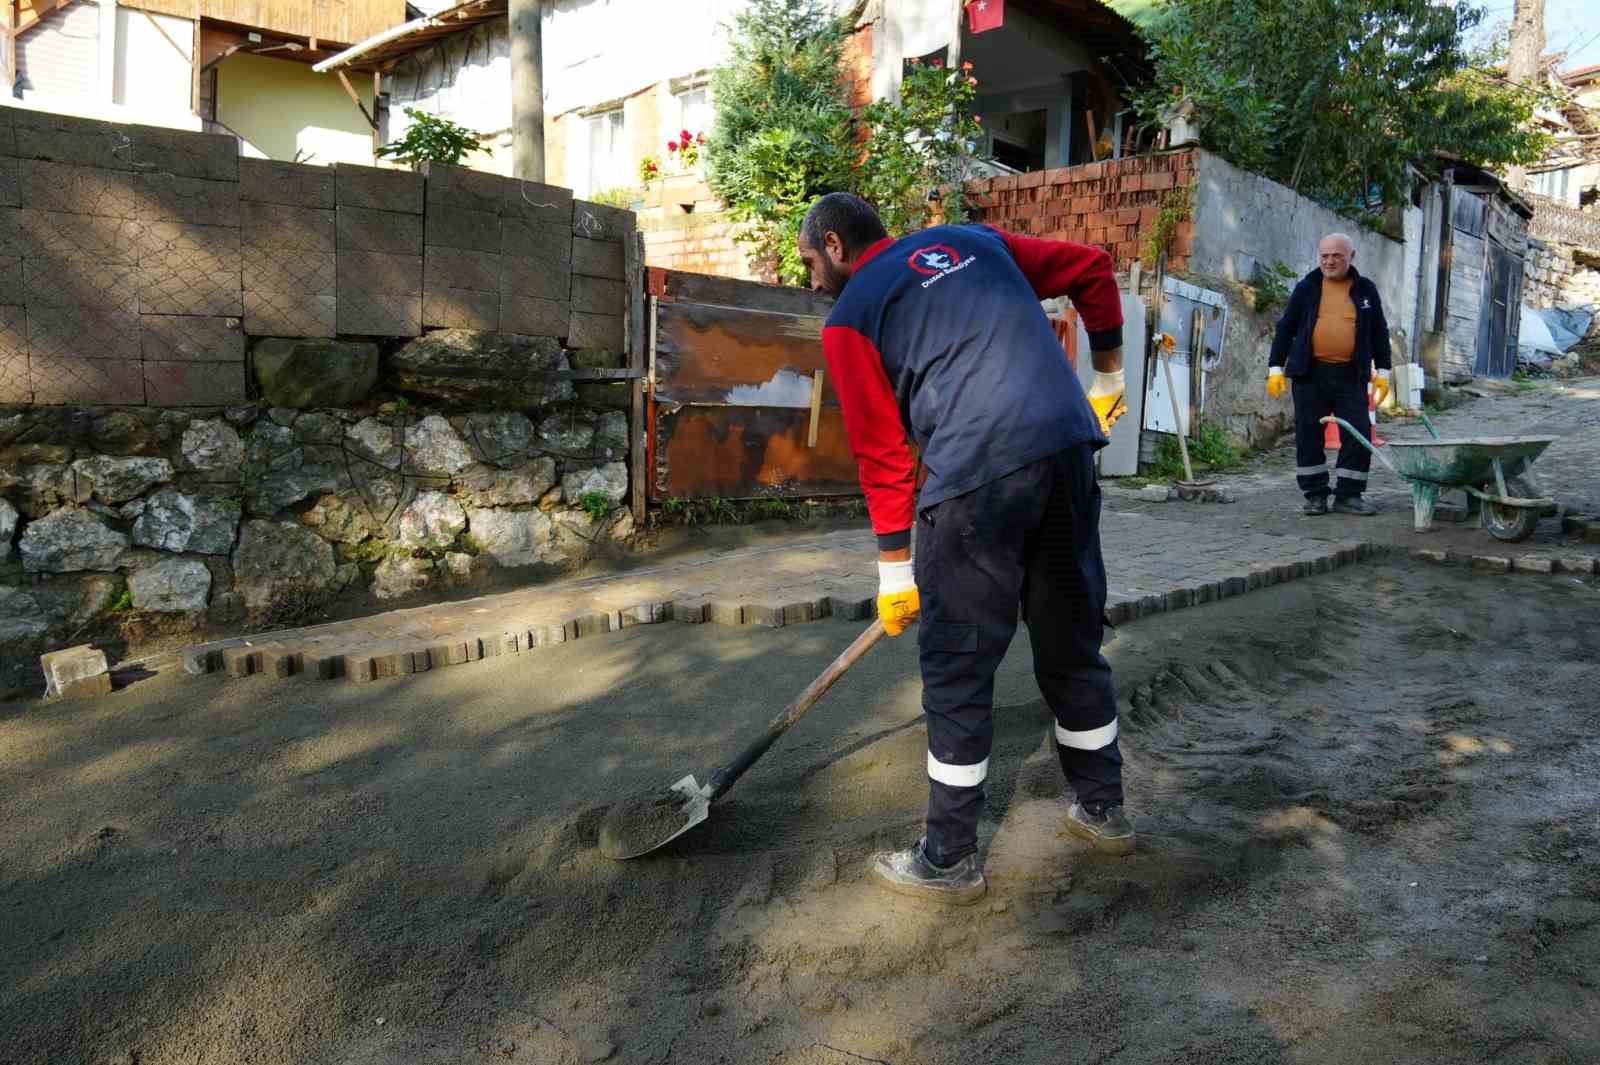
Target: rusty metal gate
<point>739,405</point>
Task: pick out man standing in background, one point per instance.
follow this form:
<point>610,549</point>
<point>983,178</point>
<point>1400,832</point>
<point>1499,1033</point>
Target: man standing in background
<point>1329,339</point>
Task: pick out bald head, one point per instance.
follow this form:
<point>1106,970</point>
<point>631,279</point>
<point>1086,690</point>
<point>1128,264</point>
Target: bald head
<point>1335,254</point>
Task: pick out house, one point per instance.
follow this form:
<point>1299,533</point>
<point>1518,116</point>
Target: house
<point>241,67</point>
<point>1569,174</point>
<point>622,78</point>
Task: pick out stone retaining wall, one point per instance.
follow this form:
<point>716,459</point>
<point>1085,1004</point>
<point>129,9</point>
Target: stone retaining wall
<point>213,518</point>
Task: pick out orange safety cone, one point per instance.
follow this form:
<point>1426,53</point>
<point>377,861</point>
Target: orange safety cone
<point>1330,437</point>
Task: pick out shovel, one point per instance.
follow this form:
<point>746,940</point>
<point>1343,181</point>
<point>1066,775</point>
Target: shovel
<point>652,819</point>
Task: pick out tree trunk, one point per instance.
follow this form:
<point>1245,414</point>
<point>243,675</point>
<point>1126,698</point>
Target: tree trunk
<point>1522,65</point>
<point>527,90</point>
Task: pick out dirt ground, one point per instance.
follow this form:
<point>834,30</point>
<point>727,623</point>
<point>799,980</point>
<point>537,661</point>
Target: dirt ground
<point>1368,804</point>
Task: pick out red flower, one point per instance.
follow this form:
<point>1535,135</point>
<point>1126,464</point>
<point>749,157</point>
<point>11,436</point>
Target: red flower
<point>672,146</point>
<point>978,119</point>
<point>699,138</point>
<point>973,82</point>
<point>684,136</point>
<point>966,66</point>
<point>937,64</point>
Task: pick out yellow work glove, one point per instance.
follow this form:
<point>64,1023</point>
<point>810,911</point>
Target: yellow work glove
<point>1107,397</point>
<point>1381,385</point>
<point>898,602</point>
<point>1277,384</point>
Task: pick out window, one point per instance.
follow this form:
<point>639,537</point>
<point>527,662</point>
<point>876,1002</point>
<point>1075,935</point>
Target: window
<point>609,167</point>
<point>694,111</point>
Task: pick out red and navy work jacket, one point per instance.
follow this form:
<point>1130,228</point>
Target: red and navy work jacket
<point>939,336</point>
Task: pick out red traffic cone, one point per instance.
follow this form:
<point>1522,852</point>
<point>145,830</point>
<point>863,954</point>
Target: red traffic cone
<point>1330,437</point>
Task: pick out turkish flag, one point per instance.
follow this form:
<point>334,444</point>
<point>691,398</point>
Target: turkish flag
<point>985,15</point>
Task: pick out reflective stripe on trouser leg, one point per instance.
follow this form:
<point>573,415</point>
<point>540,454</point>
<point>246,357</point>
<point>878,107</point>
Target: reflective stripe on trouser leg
<point>1065,602</point>
<point>1310,458</point>
<point>1092,739</point>
<point>969,563</point>
<point>1349,397</point>
<point>957,776</point>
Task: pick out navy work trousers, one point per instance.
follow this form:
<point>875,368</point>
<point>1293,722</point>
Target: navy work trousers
<point>1330,388</point>
<point>1030,539</point>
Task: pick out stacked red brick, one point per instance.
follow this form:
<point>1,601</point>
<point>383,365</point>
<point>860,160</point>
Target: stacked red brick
<point>1112,204</point>
<point>120,269</point>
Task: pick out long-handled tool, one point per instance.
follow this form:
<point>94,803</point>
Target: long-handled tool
<point>640,824</point>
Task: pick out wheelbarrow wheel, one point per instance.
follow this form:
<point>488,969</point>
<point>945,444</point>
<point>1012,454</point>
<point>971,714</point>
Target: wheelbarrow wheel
<point>1510,524</point>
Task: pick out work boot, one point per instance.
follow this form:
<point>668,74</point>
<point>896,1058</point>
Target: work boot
<point>1103,825</point>
<point>1354,505</point>
<point>1315,505</point>
<point>909,872</point>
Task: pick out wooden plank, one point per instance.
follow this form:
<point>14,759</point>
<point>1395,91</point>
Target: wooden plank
<point>746,295</point>
<point>750,452</point>
<point>1467,212</point>
<point>350,90</point>
<point>637,307</point>
<point>168,38</point>
<point>714,354</point>
<point>816,406</point>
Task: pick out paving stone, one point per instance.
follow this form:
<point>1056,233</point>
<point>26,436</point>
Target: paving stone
<point>593,258</point>
<point>291,184</point>
<point>596,331</point>
<point>1428,555</point>
<point>69,666</point>
<point>587,625</point>
<point>379,314</point>
<point>276,225</point>
<point>360,229</point>
<point>460,186</point>
<point>461,227</point>
<point>282,662</point>
<point>1531,564</point>
<point>765,615</point>
<point>534,202</point>
<point>724,613</point>
<point>190,338</point>
<point>461,309</point>
<point>167,198</point>
<point>63,379</point>
<point>453,268</point>
<point>593,295</point>
<point>1577,564</point>
<point>1491,563</point>
<point>193,384</point>
<point>690,611</point>
<point>601,223</point>
<point>186,153</point>
<point>379,188</point>
<point>531,316</point>
<point>241,661</point>
<point>549,246</point>
<point>65,237</point>
<point>387,273</point>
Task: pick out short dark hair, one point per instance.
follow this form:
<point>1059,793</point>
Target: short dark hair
<point>854,219</point>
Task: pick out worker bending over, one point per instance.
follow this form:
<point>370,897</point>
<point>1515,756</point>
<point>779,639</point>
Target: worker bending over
<point>939,337</point>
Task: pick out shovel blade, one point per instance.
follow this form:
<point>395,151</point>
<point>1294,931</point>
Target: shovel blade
<point>652,819</point>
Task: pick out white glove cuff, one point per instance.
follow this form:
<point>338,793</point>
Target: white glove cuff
<point>1383,375</point>
<point>1275,371</point>
<point>896,577</point>
<point>1108,384</point>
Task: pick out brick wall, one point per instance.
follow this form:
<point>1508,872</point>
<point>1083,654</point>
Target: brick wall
<point>1111,204</point>
<point>136,262</point>
<point>701,244</point>
<point>858,66</point>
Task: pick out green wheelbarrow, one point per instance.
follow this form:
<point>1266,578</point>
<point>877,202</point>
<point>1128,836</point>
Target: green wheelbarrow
<point>1492,470</point>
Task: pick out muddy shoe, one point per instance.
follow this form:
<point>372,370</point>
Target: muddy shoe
<point>1103,825</point>
<point>1354,505</point>
<point>909,872</point>
<point>1315,506</point>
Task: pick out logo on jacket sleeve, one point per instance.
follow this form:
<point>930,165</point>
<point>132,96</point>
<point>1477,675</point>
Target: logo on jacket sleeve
<point>937,260</point>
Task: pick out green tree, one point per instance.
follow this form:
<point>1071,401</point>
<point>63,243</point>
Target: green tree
<point>1335,97</point>
<point>922,144</point>
<point>431,139</point>
<point>785,132</point>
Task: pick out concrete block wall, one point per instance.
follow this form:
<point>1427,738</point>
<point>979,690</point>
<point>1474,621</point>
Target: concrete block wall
<point>136,262</point>
<point>1111,204</point>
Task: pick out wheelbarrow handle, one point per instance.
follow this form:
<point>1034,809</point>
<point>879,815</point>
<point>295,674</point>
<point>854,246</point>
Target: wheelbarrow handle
<point>1376,453</point>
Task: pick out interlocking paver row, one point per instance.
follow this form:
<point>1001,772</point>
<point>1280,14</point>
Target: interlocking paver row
<point>1154,566</point>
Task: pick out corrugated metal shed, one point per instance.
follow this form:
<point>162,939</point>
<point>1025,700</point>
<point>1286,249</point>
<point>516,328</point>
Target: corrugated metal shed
<point>61,55</point>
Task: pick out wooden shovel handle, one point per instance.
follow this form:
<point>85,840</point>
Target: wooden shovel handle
<point>724,778</point>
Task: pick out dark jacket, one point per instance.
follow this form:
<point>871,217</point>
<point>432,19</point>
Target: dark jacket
<point>1291,347</point>
<point>939,336</point>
